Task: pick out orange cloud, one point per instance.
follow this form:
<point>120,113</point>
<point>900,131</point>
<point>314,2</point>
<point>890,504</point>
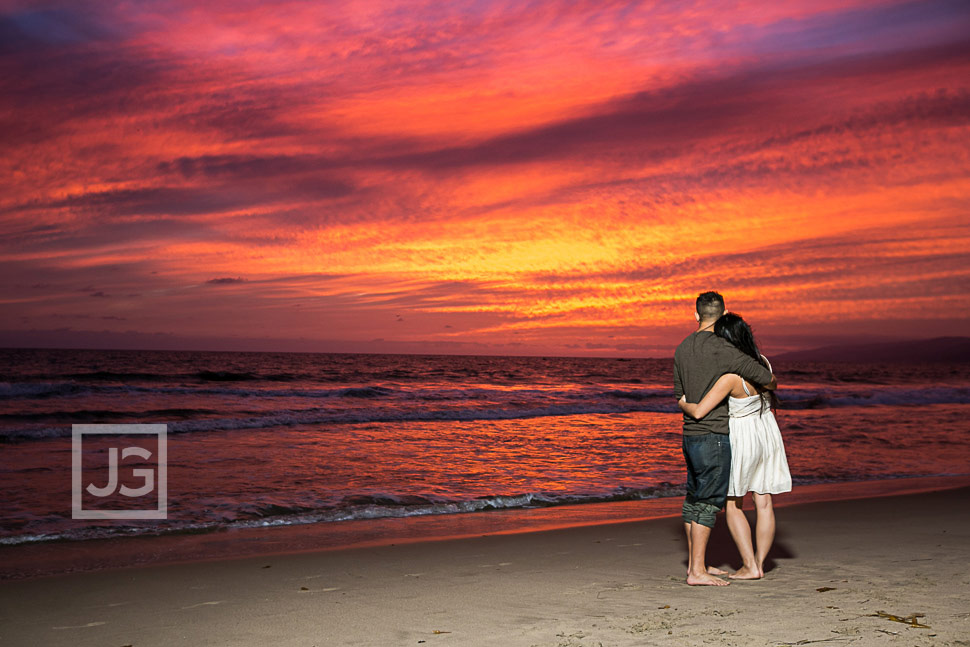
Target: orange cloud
<point>549,175</point>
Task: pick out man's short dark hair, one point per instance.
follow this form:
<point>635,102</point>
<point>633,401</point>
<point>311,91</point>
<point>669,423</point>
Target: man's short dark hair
<point>710,305</point>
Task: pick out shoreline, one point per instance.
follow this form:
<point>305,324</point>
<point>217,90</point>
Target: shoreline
<point>837,571</point>
<point>61,557</point>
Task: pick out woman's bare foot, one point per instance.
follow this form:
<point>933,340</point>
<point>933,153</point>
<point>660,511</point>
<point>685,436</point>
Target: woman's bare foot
<point>705,579</point>
<point>745,573</point>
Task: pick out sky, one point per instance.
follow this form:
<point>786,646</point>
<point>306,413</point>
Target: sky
<point>481,177</point>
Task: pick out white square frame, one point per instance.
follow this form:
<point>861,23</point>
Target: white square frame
<point>161,482</point>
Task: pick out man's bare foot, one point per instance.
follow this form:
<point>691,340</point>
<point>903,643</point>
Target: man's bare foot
<point>713,570</point>
<point>745,573</point>
<point>705,579</point>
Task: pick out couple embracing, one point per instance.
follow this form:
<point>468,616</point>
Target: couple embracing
<point>732,444</point>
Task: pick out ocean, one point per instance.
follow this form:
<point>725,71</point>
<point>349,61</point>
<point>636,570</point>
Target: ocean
<point>288,439</point>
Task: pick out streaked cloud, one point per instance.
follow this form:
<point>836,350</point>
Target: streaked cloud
<point>553,176</point>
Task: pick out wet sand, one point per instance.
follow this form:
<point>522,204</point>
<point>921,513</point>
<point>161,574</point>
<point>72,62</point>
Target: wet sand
<point>836,566</point>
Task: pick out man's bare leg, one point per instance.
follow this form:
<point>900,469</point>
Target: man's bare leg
<point>741,532</point>
<point>698,575</point>
<point>713,570</point>
<point>689,549</point>
<point>764,528</point>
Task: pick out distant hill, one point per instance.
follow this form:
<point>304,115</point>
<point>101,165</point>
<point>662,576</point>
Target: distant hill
<point>940,349</point>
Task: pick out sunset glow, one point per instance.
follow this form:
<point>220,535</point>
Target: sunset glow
<point>481,177</point>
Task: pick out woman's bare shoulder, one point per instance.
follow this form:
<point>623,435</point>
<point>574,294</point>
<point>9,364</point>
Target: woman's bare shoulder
<point>739,388</point>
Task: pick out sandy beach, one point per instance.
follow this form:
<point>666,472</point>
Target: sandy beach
<point>836,567</point>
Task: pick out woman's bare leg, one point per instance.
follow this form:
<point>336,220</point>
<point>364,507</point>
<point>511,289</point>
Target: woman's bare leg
<point>741,532</point>
<point>764,528</point>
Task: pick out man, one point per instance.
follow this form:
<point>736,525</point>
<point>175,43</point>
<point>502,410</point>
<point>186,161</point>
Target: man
<point>698,362</point>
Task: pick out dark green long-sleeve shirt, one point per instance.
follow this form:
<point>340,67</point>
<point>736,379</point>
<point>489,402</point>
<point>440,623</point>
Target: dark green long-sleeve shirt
<point>699,361</point>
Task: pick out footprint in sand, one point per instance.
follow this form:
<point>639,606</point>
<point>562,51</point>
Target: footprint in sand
<point>306,577</point>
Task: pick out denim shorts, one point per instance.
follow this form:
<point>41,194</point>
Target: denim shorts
<point>708,458</point>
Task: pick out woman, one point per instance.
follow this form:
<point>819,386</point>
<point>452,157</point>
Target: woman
<point>758,461</point>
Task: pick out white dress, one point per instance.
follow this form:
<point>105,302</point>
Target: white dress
<point>758,461</point>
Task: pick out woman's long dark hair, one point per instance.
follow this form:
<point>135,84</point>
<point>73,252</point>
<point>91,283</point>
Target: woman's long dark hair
<point>737,331</point>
